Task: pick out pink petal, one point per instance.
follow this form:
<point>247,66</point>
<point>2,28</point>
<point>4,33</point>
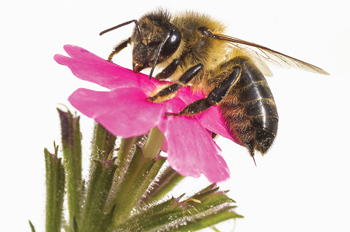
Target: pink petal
<point>164,146</point>
<point>188,96</point>
<point>90,67</point>
<point>211,119</point>
<point>124,112</point>
<point>192,151</point>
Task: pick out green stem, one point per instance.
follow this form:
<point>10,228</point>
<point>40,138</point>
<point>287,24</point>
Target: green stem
<point>153,144</point>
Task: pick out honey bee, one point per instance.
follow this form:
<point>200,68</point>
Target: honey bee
<point>192,49</point>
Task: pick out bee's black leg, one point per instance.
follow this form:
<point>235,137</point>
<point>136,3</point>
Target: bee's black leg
<point>184,79</point>
<point>190,73</point>
<point>168,71</point>
<point>118,48</point>
<point>164,92</point>
<point>213,98</point>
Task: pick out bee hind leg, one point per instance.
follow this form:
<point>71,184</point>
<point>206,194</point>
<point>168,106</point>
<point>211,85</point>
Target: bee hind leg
<point>213,98</point>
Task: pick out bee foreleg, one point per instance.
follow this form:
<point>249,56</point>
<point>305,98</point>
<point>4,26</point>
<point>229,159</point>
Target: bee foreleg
<point>118,48</point>
<point>190,73</point>
<point>168,71</point>
<point>213,98</point>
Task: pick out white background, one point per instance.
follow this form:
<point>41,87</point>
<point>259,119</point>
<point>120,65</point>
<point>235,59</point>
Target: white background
<point>302,184</point>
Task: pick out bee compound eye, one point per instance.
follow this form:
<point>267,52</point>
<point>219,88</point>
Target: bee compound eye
<point>172,43</point>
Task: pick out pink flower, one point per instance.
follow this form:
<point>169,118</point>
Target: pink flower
<point>125,112</point>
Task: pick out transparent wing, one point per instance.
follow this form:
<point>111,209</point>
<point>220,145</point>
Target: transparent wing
<point>270,55</point>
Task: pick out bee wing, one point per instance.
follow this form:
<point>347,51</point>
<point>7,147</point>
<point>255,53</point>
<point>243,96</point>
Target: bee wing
<point>264,53</point>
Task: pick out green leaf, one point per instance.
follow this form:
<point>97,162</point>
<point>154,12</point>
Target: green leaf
<point>94,218</point>
<point>136,181</point>
<point>31,226</point>
<point>103,142</point>
<point>125,154</point>
<point>168,179</point>
<point>71,146</point>
<point>55,182</point>
<point>188,215</point>
<point>209,220</point>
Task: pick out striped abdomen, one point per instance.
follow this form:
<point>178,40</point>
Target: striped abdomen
<point>249,109</point>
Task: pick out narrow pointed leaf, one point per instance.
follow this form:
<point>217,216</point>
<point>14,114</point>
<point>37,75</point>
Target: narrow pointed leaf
<point>94,218</point>
<point>207,221</point>
<point>125,155</point>
<point>142,171</point>
<point>55,182</point>
<point>187,215</point>
<point>31,226</point>
<point>71,146</point>
<point>102,142</point>
<point>167,181</point>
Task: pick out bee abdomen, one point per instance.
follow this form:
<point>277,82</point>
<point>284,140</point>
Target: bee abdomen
<point>249,109</point>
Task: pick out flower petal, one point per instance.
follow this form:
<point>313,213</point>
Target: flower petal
<point>211,119</point>
<point>192,151</point>
<point>124,113</point>
<point>89,67</point>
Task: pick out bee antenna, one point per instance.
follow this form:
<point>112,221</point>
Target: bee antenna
<point>157,56</point>
<point>123,24</point>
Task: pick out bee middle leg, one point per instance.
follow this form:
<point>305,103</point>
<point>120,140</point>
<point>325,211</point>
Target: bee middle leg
<point>213,98</point>
<point>184,79</point>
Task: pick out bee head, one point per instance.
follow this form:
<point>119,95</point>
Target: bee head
<point>155,39</point>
